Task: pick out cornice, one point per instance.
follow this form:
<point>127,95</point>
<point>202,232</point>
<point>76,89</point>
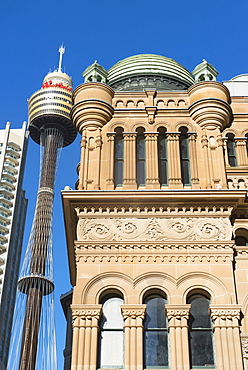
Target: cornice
<point>151,253</point>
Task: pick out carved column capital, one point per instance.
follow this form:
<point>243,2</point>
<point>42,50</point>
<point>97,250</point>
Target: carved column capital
<point>220,141</point>
<point>83,142</point>
<point>240,141</point>
<point>192,136</point>
<point>129,136</point>
<point>177,311</point>
<point>111,135</point>
<point>224,312</point>
<point>151,136</point>
<point>133,311</point>
<point>173,136</point>
<point>86,311</point>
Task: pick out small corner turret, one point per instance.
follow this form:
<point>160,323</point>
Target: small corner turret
<point>95,73</point>
<point>205,72</point>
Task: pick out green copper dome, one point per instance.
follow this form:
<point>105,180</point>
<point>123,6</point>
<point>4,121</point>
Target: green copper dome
<point>149,71</point>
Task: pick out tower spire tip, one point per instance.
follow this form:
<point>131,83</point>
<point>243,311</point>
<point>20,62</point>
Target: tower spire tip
<point>61,52</point>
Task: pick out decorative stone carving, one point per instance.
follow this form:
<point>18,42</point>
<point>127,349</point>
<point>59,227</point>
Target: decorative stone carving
<point>178,314</point>
<point>237,182</point>
<point>151,229</point>
<point>88,312</point>
<point>133,312</point>
<point>224,314</point>
<point>244,343</point>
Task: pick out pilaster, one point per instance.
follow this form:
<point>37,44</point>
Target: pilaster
<point>175,177</point>
<point>111,155</point>
<point>85,330</point>
<point>221,160</point>
<point>152,180</point>
<point>241,151</point>
<point>178,316</point>
<point>204,142</point>
<point>133,328</point>
<point>227,336</point>
<point>129,180</point>
<point>83,158</point>
<point>193,161</point>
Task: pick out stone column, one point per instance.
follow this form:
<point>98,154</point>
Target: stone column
<point>178,329</point>
<point>225,151</point>
<point>97,159</point>
<point>204,142</point>
<point>133,329</point>
<point>241,151</point>
<point>227,336</point>
<point>129,180</point>
<point>85,336</point>
<point>83,143</point>
<point>221,161</point>
<point>193,160</point>
<point>175,177</point>
<point>111,158</point>
<point>152,180</point>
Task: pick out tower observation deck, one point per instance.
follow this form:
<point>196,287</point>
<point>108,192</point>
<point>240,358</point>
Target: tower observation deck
<point>50,126</point>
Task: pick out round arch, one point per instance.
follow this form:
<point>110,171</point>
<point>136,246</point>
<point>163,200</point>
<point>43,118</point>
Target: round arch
<point>108,281</point>
<point>154,281</point>
<point>203,281</point>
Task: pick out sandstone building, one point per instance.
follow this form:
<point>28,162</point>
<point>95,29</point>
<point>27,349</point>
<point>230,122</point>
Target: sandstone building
<point>157,229</point>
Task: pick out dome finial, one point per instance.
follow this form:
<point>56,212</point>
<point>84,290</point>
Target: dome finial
<point>61,52</point>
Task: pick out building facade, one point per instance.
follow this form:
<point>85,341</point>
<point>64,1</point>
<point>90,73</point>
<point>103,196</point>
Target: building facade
<point>13,206</point>
<point>157,229</point>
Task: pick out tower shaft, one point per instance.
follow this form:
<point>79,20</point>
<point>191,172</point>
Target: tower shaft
<point>36,284</point>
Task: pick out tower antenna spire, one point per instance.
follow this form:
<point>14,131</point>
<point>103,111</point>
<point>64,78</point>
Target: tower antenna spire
<point>61,52</point>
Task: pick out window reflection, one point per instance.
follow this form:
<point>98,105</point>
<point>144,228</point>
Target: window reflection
<point>156,333</point>
<point>200,333</point>
<point>111,348</point>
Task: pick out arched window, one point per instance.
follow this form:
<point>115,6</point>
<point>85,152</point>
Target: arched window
<point>140,157</point>
<point>162,157</point>
<point>241,237</point>
<point>184,156</point>
<point>155,333</point>
<point>111,346</point>
<point>119,157</point>
<point>231,151</point>
<point>200,333</point>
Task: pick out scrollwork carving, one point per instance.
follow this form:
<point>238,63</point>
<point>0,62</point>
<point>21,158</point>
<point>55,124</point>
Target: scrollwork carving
<point>152,229</point>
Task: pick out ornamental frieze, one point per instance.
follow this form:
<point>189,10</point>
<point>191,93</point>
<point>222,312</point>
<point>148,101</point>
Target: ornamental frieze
<point>152,229</point>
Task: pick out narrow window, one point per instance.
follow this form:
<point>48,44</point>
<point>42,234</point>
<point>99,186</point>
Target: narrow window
<point>162,157</point>
<point>111,334</point>
<point>184,156</point>
<point>241,238</point>
<point>155,333</point>
<point>246,143</point>
<point>231,151</point>
<point>140,157</point>
<point>200,333</point>
<point>119,157</point>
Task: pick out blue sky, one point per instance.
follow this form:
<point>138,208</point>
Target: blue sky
<point>107,31</point>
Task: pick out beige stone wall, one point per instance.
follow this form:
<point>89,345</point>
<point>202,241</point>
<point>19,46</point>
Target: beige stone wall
<point>178,239</point>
